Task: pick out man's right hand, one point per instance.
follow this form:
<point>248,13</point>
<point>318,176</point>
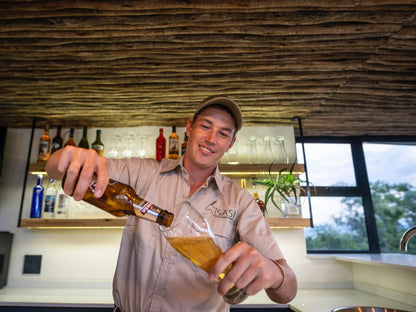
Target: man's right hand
<point>79,165</point>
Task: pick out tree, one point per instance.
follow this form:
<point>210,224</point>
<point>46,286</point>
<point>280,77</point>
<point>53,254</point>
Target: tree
<point>395,212</point>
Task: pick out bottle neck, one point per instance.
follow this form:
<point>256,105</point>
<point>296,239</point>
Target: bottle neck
<point>146,210</point>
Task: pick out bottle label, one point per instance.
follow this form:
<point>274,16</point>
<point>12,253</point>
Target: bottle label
<point>49,203</point>
<point>160,152</point>
<point>55,146</point>
<point>43,149</point>
<point>174,146</point>
<point>62,202</point>
<point>97,147</point>
<point>145,208</point>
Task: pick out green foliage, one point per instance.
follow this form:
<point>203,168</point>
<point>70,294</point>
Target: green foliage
<point>285,184</point>
<point>395,212</point>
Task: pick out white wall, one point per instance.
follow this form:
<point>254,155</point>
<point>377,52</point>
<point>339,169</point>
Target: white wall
<point>87,258</point>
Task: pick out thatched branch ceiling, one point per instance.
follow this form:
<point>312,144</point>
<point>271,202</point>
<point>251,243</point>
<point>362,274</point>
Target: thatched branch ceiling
<point>345,67</point>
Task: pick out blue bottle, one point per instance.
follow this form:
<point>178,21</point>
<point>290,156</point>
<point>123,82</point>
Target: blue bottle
<point>37,199</point>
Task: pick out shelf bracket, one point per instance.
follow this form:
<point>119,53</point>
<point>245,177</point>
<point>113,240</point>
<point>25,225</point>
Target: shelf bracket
<point>308,189</point>
<point>26,170</point>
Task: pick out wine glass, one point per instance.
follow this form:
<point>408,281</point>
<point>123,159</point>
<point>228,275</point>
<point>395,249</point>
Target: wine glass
<point>191,235</point>
<point>114,153</point>
<point>128,152</point>
<point>252,150</point>
<point>141,152</point>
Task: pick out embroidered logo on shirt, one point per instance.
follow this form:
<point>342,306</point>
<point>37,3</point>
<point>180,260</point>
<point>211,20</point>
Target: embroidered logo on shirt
<point>221,213</point>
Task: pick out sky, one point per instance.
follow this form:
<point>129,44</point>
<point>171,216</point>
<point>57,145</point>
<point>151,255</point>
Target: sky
<point>330,164</point>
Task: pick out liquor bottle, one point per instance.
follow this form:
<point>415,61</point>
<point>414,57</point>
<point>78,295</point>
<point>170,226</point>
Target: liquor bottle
<point>50,199</point>
<point>120,199</point>
<point>84,141</point>
<point>184,144</point>
<point>62,203</point>
<point>160,146</point>
<point>243,183</point>
<point>37,199</point>
<point>44,146</point>
<point>97,145</point>
<point>259,202</point>
<point>173,144</point>
<point>192,237</point>
<point>71,140</point>
<point>57,141</point>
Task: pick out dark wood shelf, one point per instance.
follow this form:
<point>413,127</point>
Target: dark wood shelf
<point>250,170</point>
<point>120,222</point>
<point>37,169</point>
<point>289,222</point>
<point>72,223</point>
<point>238,170</point>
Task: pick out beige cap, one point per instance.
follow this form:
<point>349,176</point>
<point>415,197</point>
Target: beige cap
<point>226,102</point>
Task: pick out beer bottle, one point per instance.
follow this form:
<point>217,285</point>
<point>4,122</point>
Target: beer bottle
<point>120,199</point>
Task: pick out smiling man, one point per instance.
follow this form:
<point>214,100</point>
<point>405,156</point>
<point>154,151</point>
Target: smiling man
<point>150,274</point>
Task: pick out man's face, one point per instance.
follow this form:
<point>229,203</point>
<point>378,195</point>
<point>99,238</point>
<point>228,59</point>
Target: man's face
<point>210,136</point>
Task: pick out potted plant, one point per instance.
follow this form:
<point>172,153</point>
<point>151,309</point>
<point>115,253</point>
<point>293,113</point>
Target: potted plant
<point>287,185</point>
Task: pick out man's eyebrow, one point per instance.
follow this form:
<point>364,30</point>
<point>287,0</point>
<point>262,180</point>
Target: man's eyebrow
<point>206,119</point>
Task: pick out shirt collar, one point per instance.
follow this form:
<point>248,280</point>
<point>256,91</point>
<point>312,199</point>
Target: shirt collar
<point>169,165</point>
<point>216,177</point>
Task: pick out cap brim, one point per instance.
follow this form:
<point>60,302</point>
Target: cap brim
<point>226,102</point>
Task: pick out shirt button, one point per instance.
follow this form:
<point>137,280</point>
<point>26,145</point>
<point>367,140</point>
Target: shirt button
<point>160,292</point>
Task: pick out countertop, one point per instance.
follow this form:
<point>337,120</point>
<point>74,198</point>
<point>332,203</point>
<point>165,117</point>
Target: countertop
<point>398,260</point>
<point>305,301</point>
<point>326,300</point>
<point>403,261</point>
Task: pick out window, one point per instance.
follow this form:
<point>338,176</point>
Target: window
<point>392,176</point>
<point>353,210</point>
<point>338,216</point>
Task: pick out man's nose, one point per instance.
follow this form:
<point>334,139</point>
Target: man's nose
<point>210,135</point>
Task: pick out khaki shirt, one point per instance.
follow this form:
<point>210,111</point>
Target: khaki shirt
<point>150,274</point>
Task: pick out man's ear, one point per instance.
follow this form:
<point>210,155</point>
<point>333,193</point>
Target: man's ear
<point>189,126</point>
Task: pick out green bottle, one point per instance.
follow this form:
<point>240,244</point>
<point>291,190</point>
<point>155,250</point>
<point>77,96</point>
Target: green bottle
<point>84,141</point>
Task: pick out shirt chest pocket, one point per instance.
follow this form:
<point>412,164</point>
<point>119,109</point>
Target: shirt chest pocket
<point>224,232</point>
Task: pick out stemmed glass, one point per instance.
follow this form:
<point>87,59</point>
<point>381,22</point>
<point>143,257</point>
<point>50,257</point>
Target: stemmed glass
<point>114,152</point>
<point>280,151</point>
<point>252,150</point>
<point>128,151</point>
<point>141,152</point>
<point>191,235</point>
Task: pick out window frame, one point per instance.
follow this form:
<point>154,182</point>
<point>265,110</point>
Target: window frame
<point>362,188</point>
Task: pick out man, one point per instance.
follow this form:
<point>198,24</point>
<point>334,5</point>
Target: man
<point>150,274</point>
